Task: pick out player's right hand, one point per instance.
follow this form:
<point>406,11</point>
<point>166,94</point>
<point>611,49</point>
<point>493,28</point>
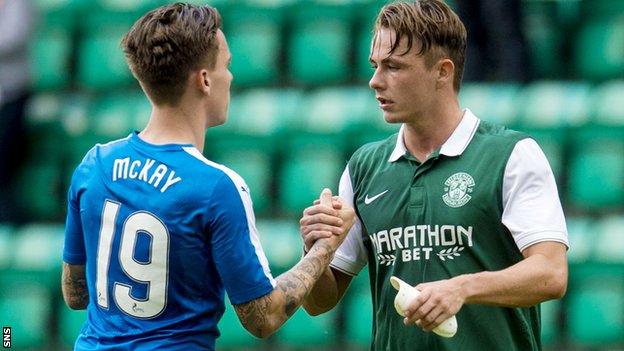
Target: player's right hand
<point>327,219</point>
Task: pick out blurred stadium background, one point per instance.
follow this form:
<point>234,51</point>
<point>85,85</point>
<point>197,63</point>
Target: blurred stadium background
<point>300,106</point>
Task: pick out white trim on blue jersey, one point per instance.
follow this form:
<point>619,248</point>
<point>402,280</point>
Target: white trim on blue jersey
<point>247,203</point>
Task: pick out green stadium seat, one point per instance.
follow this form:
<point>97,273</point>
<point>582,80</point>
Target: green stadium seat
<point>601,9</point>
<point>6,246</point>
<point>59,13</point>
<point>338,110</point>
<point>582,239</point>
<point>50,55</point>
<point>305,174</point>
<point>303,330</point>
<point>281,242</point>
<point>265,112</point>
<point>320,42</point>
<point>550,322</point>
<point>254,37</point>
<point>37,254</point>
<point>39,186</point>
<point>496,103</point>
<point>112,116</point>
<point>547,104</point>
<point>609,247</point>
<point>102,13</point>
<point>545,38</point>
<point>608,105</point>
<point>101,62</point>
<point>359,312</point>
<point>70,324</point>
<point>594,309</point>
<point>596,168</point>
<point>599,52</point>
<point>365,22</point>
<point>44,128</point>
<point>26,310</point>
<point>233,334</point>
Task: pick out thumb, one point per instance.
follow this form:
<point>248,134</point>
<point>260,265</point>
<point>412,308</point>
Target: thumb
<point>326,197</point>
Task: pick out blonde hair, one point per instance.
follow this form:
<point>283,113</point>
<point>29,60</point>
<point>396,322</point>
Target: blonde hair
<point>434,25</point>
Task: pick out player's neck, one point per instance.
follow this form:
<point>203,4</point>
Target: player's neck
<point>429,133</point>
<point>175,125</point>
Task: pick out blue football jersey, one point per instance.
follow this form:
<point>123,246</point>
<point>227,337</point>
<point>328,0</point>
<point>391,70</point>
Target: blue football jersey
<point>164,233</point>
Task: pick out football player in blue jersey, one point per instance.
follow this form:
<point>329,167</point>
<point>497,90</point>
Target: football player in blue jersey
<point>156,233</point>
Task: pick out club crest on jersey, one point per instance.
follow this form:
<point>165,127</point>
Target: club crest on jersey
<point>458,188</point>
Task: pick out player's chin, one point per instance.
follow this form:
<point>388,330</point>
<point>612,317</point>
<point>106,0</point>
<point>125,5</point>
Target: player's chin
<point>217,121</point>
<point>393,117</point>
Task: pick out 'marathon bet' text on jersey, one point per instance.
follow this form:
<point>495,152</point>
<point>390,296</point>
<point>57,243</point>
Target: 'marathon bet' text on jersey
<point>472,206</point>
<point>162,232</point>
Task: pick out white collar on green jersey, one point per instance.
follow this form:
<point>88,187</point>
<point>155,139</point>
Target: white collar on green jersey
<point>456,143</point>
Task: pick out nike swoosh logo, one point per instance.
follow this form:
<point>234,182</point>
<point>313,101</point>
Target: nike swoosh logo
<point>368,200</point>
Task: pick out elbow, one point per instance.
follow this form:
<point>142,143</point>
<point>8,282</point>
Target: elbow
<point>313,310</point>
<point>558,284</point>
<point>76,305</point>
<point>262,331</point>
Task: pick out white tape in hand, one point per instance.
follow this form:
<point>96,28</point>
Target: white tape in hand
<point>406,293</point>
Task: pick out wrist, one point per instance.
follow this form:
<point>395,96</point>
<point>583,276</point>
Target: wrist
<point>324,246</point>
<point>464,283</point>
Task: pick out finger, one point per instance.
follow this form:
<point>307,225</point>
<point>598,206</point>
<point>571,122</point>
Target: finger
<point>312,210</point>
<point>323,219</point>
<point>422,311</point>
<point>416,303</point>
<point>326,197</point>
<point>429,321</point>
<point>311,237</point>
<point>336,230</point>
<point>441,318</point>
<point>337,205</point>
<point>334,198</point>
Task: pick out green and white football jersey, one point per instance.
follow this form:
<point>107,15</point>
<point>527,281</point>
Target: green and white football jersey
<point>472,206</point>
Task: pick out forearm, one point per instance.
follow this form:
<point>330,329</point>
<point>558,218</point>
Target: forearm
<point>74,286</point>
<point>263,316</point>
<point>533,280</point>
<point>324,295</point>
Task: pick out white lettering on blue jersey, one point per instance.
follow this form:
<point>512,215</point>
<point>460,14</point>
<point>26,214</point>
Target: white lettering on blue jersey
<point>124,169</point>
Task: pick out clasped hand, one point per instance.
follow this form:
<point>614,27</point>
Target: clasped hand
<point>329,218</point>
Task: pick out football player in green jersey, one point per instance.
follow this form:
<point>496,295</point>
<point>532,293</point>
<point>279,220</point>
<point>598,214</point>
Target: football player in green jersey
<point>466,211</point>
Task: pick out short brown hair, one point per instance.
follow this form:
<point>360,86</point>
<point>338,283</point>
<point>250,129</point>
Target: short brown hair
<point>431,22</point>
<point>167,43</point>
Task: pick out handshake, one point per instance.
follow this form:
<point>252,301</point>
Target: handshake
<point>327,220</point>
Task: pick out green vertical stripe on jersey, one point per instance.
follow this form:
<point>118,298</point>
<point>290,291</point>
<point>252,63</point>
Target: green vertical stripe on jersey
<point>436,220</point>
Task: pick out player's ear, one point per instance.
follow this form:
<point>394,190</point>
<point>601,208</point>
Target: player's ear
<point>202,81</point>
<point>446,70</point>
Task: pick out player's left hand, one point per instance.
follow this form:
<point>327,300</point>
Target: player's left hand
<point>437,302</point>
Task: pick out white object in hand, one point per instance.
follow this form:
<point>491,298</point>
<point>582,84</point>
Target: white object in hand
<point>406,293</point>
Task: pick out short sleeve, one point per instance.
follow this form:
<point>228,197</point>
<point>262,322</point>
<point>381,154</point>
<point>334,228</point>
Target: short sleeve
<point>236,248</point>
<point>531,207</point>
<point>74,249</point>
<point>350,257</point>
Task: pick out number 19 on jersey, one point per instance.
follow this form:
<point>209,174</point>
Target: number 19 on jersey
<point>153,273</point>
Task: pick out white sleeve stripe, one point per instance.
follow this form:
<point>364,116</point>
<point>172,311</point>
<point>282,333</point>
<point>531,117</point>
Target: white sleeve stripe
<point>544,238</point>
<point>338,268</point>
<point>246,200</point>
